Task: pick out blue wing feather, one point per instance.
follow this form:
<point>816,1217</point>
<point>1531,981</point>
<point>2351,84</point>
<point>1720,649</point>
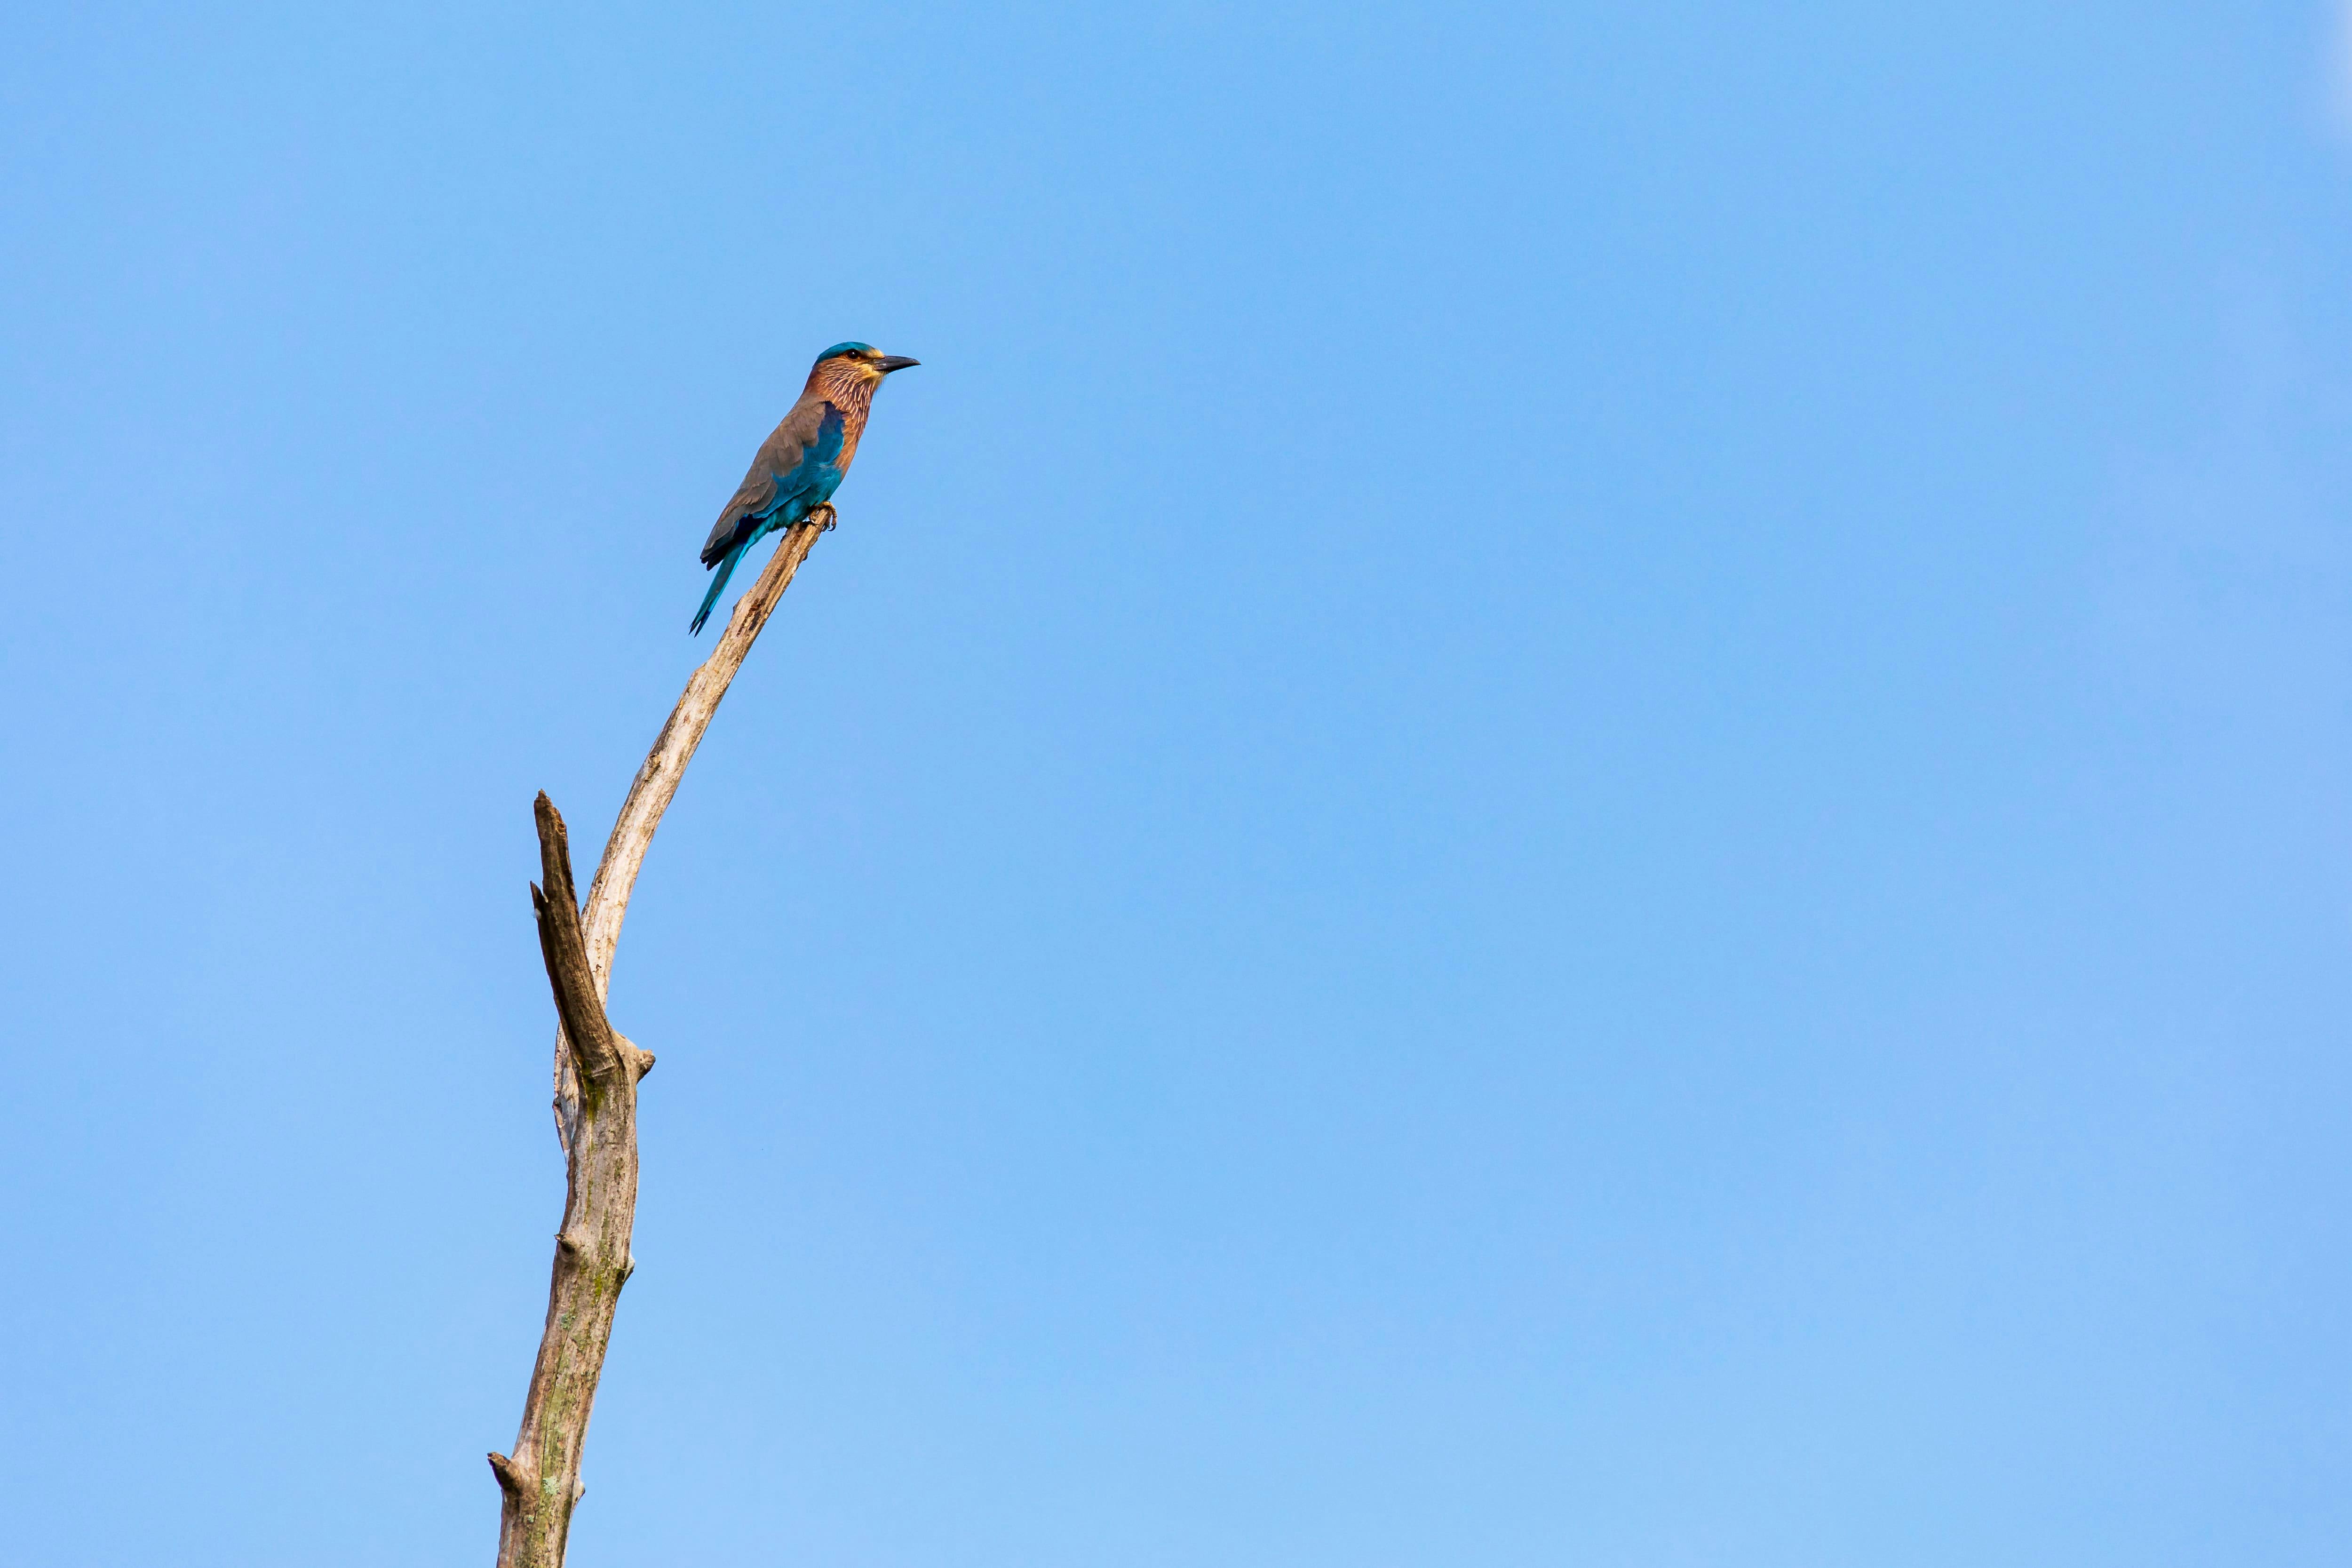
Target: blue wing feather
<point>797,470</point>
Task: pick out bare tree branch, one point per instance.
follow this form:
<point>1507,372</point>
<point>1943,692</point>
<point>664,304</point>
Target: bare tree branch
<point>540,1482</point>
<point>657,781</point>
<point>597,1070</point>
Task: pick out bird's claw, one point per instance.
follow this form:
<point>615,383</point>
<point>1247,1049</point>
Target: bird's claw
<point>830,517</point>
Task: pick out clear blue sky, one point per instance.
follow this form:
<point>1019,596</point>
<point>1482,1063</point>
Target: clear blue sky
<point>1572,789</point>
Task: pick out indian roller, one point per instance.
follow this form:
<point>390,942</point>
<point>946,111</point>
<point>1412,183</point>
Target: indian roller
<point>800,466</point>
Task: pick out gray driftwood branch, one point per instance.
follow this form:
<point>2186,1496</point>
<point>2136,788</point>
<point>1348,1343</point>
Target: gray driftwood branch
<point>597,1075</point>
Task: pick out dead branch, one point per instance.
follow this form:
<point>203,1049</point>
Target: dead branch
<point>540,1483</point>
<point>657,781</point>
<point>597,1070</point>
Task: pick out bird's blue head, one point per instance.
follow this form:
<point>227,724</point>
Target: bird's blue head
<point>865,357</point>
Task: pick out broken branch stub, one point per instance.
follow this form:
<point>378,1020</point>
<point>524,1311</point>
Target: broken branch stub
<point>539,1482</point>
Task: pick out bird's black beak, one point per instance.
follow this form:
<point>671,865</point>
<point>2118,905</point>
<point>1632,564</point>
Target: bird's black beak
<point>890,363</point>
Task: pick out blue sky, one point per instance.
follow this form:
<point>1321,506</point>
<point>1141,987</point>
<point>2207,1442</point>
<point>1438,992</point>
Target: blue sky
<point>1571,789</point>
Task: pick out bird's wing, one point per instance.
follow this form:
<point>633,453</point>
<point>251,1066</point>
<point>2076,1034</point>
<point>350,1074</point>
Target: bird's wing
<point>806,436</point>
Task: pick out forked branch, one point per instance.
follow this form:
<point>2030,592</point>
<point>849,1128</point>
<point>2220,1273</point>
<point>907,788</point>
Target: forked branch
<point>597,1069</point>
<point>540,1483</point>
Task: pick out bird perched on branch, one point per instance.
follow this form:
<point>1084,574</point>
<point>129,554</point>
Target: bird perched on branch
<point>798,466</point>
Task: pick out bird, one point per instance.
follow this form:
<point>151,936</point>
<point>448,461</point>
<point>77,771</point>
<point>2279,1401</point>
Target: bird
<point>799,467</point>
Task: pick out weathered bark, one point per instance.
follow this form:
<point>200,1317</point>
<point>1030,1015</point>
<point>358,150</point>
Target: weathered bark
<point>658,780</point>
<point>540,1481</point>
<point>597,1075</point>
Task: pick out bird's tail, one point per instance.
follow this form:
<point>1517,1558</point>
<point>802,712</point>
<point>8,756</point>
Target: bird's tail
<point>725,569</point>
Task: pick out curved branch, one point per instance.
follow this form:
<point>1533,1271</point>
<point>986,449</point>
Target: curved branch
<point>657,781</point>
<point>597,1069</point>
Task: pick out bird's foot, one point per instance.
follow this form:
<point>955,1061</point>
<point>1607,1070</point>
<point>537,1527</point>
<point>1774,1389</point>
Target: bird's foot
<point>825,518</point>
